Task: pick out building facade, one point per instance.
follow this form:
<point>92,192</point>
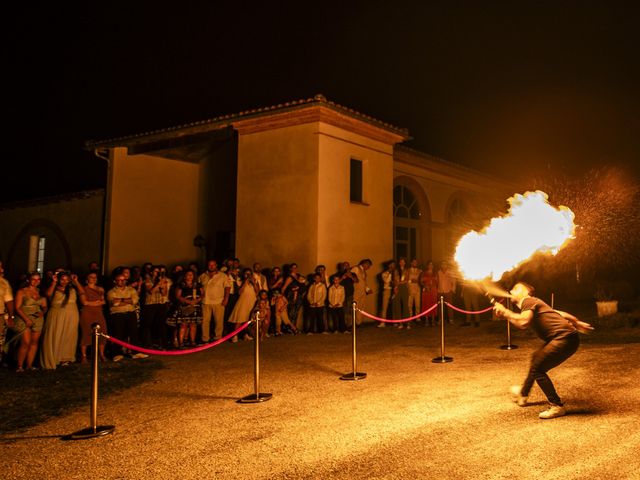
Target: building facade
<point>309,181</point>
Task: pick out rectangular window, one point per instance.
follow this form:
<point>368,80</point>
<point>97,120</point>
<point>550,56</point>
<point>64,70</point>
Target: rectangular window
<point>355,186</point>
<point>40,261</point>
<point>34,240</point>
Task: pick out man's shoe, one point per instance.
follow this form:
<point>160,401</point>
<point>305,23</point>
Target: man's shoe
<point>117,358</point>
<point>382,325</point>
<point>553,411</point>
<point>139,355</point>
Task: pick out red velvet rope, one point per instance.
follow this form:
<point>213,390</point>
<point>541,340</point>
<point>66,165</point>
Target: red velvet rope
<point>402,320</point>
<point>467,311</point>
<point>177,352</point>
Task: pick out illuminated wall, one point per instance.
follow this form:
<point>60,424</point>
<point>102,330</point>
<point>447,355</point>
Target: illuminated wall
<point>153,210</point>
<point>277,196</point>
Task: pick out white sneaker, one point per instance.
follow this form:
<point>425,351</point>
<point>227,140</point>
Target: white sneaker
<point>234,339</point>
<point>248,338</point>
<point>117,358</point>
<point>382,325</point>
<point>553,411</point>
<point>139,355</point>
<point>408,326</point>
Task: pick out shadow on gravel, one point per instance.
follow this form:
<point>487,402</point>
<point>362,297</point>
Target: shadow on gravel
<point>192,395</point>
<point>30,398</point>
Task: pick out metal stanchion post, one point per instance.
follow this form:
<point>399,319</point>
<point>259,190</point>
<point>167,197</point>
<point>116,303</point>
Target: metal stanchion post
<point>442,358</point>
<point>509,345</point>
<point>94,430</point>
<point>552,299</point>
<point>257,396</point>
<point>354,375</point>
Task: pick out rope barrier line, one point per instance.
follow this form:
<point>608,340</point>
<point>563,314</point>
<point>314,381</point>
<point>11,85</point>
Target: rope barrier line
<point>177,352</point>
<point>402,320</point>
<point>467,311</point>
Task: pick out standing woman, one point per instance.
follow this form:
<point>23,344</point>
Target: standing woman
<point>293,289</point>
<point>401,290</point>
<point>92,301</point>
<point>246,301</point>
<point>387,291</point>
<point>275,280</point>
<point>60,336</point>
<point>429,282</point>
<point>30,309</point>
<point>188,313</point>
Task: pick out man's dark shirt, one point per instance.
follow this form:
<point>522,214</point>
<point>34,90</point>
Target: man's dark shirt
<point>546,322</point>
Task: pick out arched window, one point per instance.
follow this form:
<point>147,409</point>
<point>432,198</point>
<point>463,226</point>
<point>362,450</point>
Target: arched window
<point>406,213</point>
<point>405,204</point>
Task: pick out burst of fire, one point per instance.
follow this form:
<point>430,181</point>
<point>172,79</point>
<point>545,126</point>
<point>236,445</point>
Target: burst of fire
<point>531,226</point>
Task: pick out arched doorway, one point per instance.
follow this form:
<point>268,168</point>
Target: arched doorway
<point>411,220</point>
<point>51,248</point>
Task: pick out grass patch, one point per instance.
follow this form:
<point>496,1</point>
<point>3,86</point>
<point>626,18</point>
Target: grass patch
<point>31,398</point>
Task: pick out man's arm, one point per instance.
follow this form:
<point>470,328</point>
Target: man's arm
<point>520,320</point>
<point>582,327</point>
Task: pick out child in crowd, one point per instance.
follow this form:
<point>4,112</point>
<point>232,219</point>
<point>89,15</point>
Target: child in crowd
<point>316,297</point>
<point>263,307</point>
<point>336,306</point>
<point>280,303</point>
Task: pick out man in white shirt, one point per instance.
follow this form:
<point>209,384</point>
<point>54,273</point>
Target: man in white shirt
<point>217,286</point>
<point>123,302</point>
<point>258,277</point>
<point>6,308</point>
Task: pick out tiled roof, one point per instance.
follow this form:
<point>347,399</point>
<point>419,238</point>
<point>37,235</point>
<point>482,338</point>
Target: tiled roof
<point>225,120</point>
<point>62,197</point>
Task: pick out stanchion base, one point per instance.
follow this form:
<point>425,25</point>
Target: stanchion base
<point>442,360</point>
<point>90,432</point>
<point>353,376</point>
<point>508,347</point>
<point>256,398</point>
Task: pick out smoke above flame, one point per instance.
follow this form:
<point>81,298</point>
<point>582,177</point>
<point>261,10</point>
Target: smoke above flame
<point>531,226</point>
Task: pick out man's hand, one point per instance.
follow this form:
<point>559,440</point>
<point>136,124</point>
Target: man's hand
<point>499,310</point>
<point>583,327</point>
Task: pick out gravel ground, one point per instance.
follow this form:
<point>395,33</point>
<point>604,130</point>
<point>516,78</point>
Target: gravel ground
<point>409,418</point>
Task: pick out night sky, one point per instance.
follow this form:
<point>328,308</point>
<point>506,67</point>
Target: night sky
<point>522,88</point>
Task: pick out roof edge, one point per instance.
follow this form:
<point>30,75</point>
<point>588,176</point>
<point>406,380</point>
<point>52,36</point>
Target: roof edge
<point>226,120</point>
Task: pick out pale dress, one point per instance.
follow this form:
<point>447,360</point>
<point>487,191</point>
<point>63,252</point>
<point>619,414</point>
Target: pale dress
<point>244,306</point>
<point>60,337</point>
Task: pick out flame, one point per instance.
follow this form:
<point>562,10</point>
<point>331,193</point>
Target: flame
<point>532,225</point>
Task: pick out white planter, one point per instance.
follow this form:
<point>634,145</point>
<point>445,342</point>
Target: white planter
<point>609,307</point>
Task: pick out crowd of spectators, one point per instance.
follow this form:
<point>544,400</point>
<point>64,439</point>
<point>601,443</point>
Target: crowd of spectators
<point>50,321</point>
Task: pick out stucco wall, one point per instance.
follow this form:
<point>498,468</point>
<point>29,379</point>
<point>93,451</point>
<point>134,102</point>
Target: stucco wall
<point>277,209</point>
<point>154,210</point>
<point>353,231</point>
<point>72,229</point>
